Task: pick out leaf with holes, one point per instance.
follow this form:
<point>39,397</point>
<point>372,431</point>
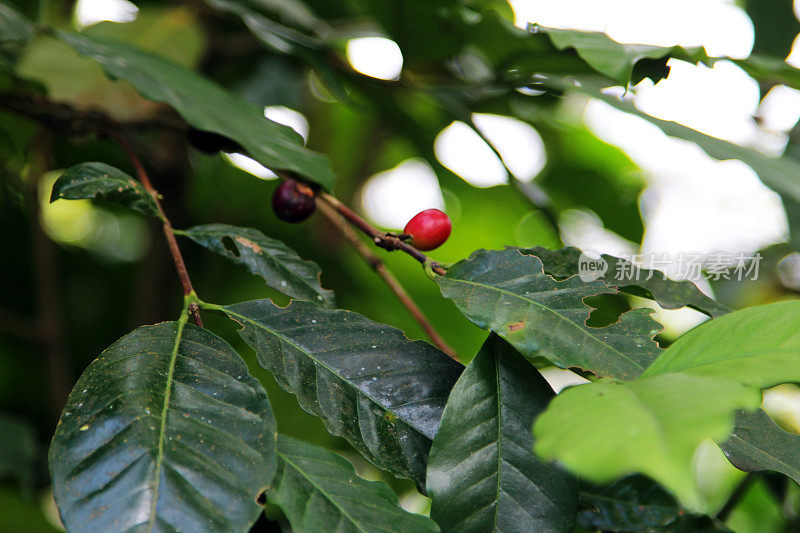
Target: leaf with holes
<point>205,105</point>
<point>98,180</point>
<point>319,490</point>
<point>617,60</point>
<point>758,443</point>
<point>631,279</point>
<point>279,265</point>
<point>368,382</point>
<point>509,293</point>
<point>482,473</point>
<point>165,431</point>
<point>654,424</point>
<point>633,503</point>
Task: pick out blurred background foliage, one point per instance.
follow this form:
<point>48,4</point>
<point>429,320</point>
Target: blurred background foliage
<point>78,275</point>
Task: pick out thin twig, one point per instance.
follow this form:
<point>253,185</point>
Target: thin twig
<point>379,266</point>
<point>380,238</point>
<point>180,266</point>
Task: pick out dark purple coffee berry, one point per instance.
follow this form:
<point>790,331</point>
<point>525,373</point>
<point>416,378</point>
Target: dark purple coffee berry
<point>210,143</point>
<point>292,201</point>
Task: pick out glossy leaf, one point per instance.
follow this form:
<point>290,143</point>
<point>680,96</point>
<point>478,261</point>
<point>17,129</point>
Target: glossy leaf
<point>98,180</point>
<point>482,473</point>
<point>509,293</point>
<point>631,279</point>
<point>279,265</point>
<point>371,385</point>
<point>165,431</point>
<point>758,443</point>
<point>205,105</point>
<point>654,424</point>
<point>632,503</point>
<point>319,490</point>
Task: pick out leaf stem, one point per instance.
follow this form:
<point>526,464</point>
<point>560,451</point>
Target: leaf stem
<point>380,238</point>
<point>375,262</point>
<point>169,233</point>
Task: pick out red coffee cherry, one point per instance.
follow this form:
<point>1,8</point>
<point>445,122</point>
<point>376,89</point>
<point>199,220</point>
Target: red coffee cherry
<point>428,229</point>
<point>292,201</point>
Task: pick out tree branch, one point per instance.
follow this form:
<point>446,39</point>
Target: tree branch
<point>379,266</point>
<point>381,239</point>
<point>180,266</point>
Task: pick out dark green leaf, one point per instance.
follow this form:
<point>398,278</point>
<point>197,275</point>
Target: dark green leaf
<point>17,450</point>
<point>98,180</point>
<point>758,443</point>
<point>165,431</point>
<point>633,280</point>
<point>632,503</point>
<point>482,473</point>
<point>14,27</point>
<point>279,265</point>
<point>319,490</point>
<point>285,40</point>
<point>206,106</point>
<point>614,59</point>
<point>654,424</point>
<point>775,26</point>
<point>509,293</point>
<point>371,385</point>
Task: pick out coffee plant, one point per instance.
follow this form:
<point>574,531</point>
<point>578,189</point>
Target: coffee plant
<point>171,427</point>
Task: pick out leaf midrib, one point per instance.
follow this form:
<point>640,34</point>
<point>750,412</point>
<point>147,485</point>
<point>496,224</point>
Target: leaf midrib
<point>162,430</point>
<point>310,355</point>
<point>559,315</point>
<point>319,489</point>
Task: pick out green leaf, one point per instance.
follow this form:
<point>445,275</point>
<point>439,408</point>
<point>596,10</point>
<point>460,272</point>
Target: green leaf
<point>759,511</point>
<point>509,293</point>
<point>758,443</point>
<point>630,279</point>
<point>319,490</point>
<point>18,449</point>
<point>614,59</point>
<point>371,385</point>
<point>98,180</point>
<point>482,473</point>
<point>15,28</point>
<point>205,105</point>
<point>165,431</point>
<point>654,424</point>
<point>775,26</point>
<point>777,173</point>
<point>633,503</point>
<point>279,265</point>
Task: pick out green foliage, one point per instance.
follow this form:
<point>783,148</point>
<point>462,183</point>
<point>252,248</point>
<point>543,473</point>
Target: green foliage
<point>205,105</point>
<point>371,385</point>
<point>654,424</point>
<point>165,430</point>
<point>319,490</point>
<point>482,473</point>
<point>98,180</point>
<point>168,430</point>
<point>757,443</point>
<point>509,293</point>
<point>632,503</point>
<point>279,265</point>
<point>631,279</point>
